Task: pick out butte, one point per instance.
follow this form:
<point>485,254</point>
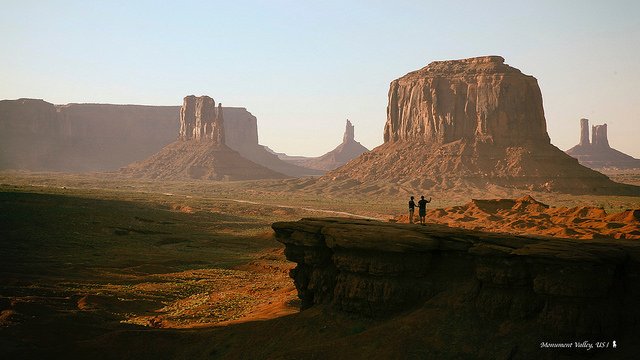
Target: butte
<point>597,153</point>
<point>474,123</point>
<point>200,151</point>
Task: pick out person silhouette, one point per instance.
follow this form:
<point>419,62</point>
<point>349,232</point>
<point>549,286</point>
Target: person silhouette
<point>422,209</point>
<point>412,208</point>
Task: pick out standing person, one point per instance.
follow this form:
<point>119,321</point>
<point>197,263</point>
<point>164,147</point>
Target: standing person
<point>412,208</point>
<point>422,206</point>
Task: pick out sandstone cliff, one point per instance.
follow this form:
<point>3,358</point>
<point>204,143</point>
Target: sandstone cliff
<point>598,153</point>
<point>201,120</point>
<point>39,136</point>
<point>467,123</point>
<point>478,98</point>
<point>349,149</point>
<point>486,294</point>
<point>201,151</point>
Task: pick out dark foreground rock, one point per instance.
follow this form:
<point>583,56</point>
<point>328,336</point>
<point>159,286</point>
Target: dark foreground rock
<point>523,291</point>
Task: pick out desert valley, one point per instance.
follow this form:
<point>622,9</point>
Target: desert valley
<point>170,232</point>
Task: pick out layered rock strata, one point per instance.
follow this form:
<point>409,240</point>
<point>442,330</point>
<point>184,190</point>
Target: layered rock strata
<point>598,153</point>
<point>477,98</point>
<point>541,288</point>
<point>37,135</point>
<point>201,120</point>
<point>200,152</point>
<point>473,122</point>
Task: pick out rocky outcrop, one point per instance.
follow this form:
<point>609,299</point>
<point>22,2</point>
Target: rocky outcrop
<point>599,136</point>
<point>598,153</point>
<point>529,289</point>
<point>201,120</point>
<point>348,150</point>
<point>471,123</point>
<point>477,98</point>
<point>584,132</point>
<point>200,152</point>
<point>37,135</point>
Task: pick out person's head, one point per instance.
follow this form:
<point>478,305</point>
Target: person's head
<point>412,198</point>
<point>422,197</point>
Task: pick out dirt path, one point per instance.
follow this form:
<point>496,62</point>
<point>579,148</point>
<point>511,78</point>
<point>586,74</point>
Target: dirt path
<point>303,208</point>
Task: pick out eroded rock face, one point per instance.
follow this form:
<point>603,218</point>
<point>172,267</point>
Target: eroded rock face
<point>473,123</point>
<point>201,120</point>
<point>37,135</point>
<point>40,136</point>
<point>466,99</point>
<point>557,287</point>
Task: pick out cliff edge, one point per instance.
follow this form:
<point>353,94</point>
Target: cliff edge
<point>493,293</point>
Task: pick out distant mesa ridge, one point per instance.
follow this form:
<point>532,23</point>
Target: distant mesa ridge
<point>597,153</point>
<point>473,123</point>
<point>200,151</point>
<point>39,136</point>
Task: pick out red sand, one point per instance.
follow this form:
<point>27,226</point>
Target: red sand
<point>530,217</point>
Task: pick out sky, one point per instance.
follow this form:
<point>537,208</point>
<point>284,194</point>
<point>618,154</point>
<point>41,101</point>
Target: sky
<point>304,67</point>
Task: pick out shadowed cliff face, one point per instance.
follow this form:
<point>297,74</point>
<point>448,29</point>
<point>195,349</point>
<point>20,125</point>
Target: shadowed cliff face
<point>557,288</point>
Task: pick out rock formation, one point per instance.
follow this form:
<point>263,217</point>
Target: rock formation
<point>245,141</point>
<point>201,120</point>
<point>473,122</point>
<point>349,149</point>
<point>201,151</point>
<point>478,98</point>
<point>37,135</point>
<point>584,132</point>
<point>515,290</point>
<point>598,154</point>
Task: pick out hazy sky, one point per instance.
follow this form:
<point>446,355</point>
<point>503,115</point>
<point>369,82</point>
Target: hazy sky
<point>302,68</point>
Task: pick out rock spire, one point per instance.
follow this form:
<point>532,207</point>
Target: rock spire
<point>201,120</point>
<point>348,133</point>
<point>598,154</point>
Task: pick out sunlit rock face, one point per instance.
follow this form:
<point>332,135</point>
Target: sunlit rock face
<point>466,99</point>
<point>472,123</point>
<point>201,120</point>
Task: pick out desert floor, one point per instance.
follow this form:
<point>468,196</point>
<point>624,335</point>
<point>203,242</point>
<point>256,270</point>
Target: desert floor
<point>95,262</point>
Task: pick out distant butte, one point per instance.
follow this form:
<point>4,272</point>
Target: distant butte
<point>347,150</point>
<point>201,151</point>
<point>475,123</point>
<point>597,153</point>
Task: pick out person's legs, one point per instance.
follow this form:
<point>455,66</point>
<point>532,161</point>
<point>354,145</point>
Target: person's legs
<point>411,216</point>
